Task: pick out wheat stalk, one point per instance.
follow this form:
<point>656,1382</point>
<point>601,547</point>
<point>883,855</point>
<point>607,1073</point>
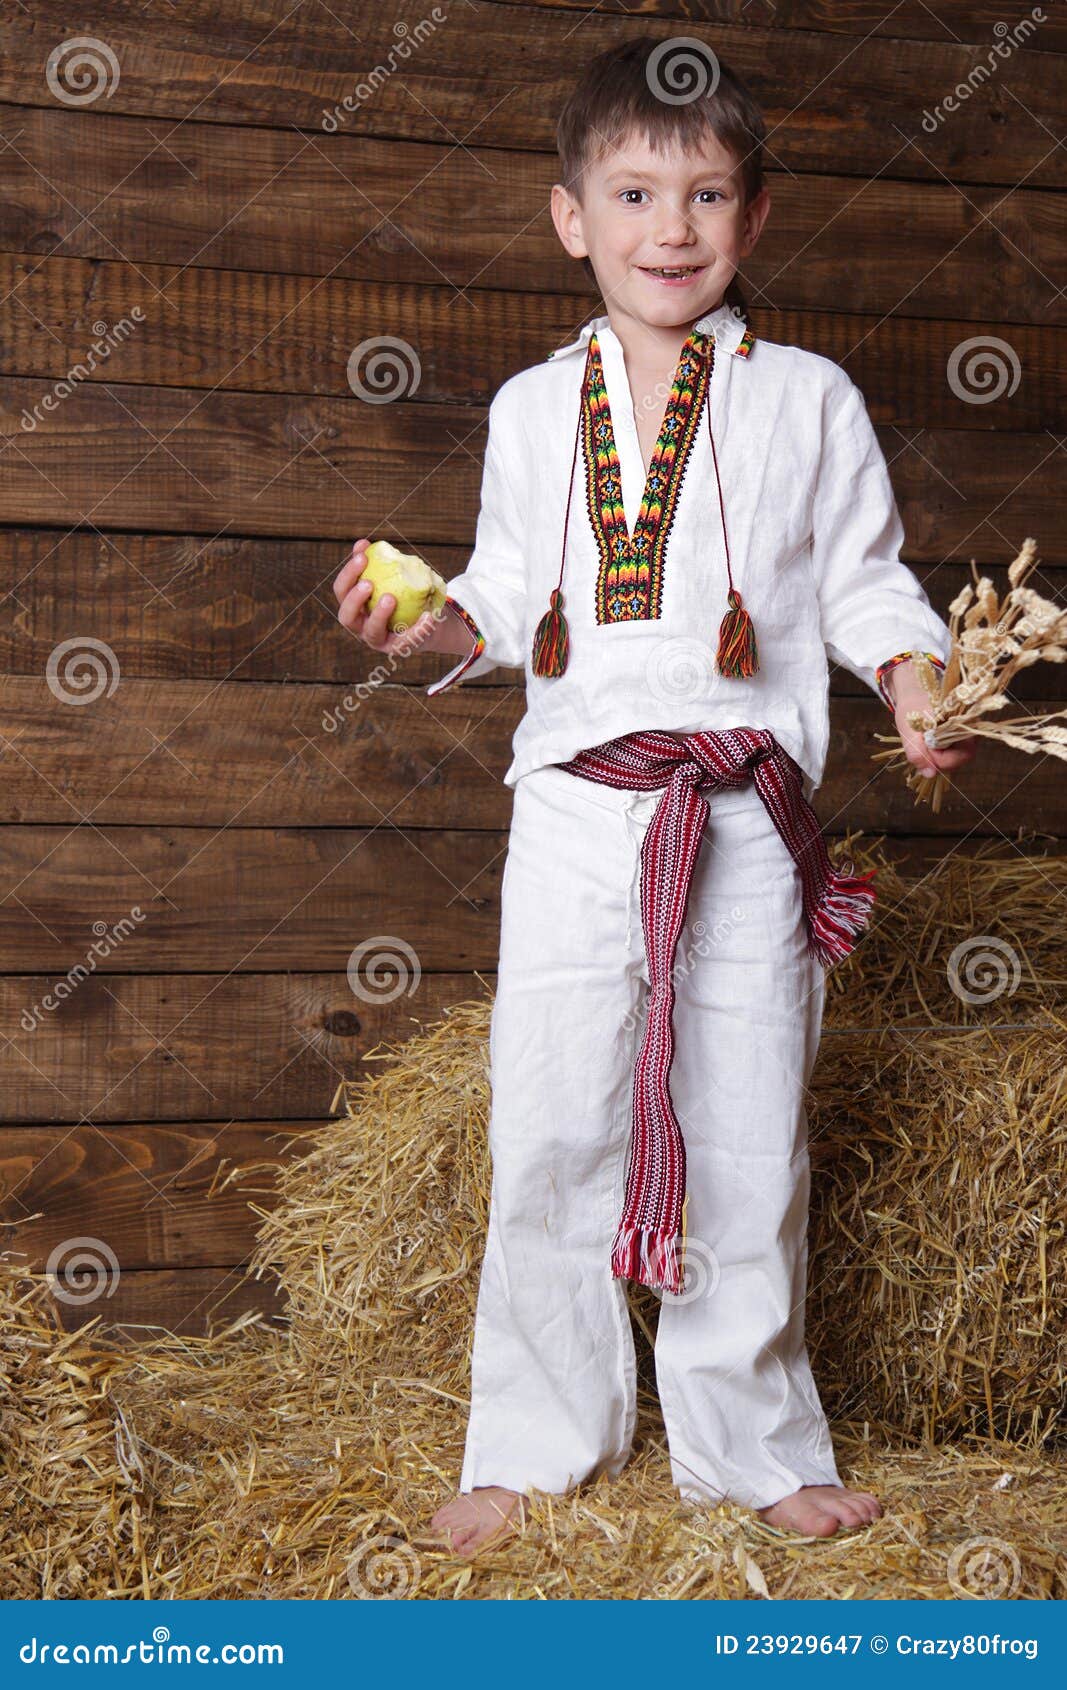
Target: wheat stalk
<point>992,639</point>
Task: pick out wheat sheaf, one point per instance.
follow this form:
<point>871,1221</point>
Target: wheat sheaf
<point>992,639</point>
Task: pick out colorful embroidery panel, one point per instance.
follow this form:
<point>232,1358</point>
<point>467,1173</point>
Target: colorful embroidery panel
<point>629,585</point>
<point>891,663</point>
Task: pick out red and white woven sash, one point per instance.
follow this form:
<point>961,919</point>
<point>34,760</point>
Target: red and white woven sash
<point>837,907</point>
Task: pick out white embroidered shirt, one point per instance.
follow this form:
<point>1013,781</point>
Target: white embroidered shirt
<point>814,543</point>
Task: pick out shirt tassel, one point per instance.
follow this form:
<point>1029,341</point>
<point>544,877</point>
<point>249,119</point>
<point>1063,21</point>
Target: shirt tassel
<point>737,654</point>
<point>552,639</point>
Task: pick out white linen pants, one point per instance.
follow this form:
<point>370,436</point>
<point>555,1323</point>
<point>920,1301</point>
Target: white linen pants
<point>553,1387</point>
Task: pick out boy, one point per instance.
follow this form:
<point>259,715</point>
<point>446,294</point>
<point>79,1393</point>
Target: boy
<point>663,471</point>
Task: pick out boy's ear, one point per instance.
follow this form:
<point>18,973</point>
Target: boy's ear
<point>755,217</point>
<point>567,217</point>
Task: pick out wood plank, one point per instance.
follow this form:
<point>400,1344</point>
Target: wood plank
<point>193,1047</point>
<point>239,329</point>
<point>254,899</point>
<point>144,1191</point>
<point>247,609</point>
<point>167,459</point>
<point>290,334</point>
<point>292,66</point>
<point>255,754</point>
<point>386,210</point>
<point>911,20</point>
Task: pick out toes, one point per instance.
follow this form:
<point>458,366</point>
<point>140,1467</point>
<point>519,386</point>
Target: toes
<point>463,1524</point>
<point>851,1510</point>
<point>448,1519</point>
<point>453,1526</point>
<point>867,1505</point>
<point>825,1526</point>
<point>825,1514</point>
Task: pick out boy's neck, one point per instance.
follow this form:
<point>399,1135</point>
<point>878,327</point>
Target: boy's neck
<point>650,346</point>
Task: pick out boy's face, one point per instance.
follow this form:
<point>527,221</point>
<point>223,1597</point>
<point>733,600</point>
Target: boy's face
<point>643,211</point>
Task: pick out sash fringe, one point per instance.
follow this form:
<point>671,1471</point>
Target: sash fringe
<point>843,911</point>
<point>648,1255</point>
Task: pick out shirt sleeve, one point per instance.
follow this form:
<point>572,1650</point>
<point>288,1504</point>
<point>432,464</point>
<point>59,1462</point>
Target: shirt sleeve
<point>873,610</point>
<point>490,595</point>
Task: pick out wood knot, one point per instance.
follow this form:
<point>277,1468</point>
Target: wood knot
<point>342,1023</point>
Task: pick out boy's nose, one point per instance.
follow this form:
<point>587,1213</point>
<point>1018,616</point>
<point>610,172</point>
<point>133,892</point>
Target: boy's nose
<point>672,223</point>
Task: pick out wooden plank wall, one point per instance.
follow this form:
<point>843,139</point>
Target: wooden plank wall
<point>178,511</point>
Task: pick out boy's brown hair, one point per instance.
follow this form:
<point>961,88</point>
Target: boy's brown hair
<point>616,93</point>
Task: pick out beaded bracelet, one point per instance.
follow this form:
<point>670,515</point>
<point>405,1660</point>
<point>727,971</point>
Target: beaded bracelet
<point>891,663</point>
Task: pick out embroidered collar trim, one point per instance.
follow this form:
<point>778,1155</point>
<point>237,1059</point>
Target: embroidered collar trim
<point>630,578</point>
<point>730,331</point>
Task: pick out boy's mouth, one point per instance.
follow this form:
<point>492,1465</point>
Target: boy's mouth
<point>676,273</point>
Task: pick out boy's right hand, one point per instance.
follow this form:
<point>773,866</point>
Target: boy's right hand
<point>352,593</point>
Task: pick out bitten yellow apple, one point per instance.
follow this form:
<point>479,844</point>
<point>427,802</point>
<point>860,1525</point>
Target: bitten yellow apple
<point>415,586</point>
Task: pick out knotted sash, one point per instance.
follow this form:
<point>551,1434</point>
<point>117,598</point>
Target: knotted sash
<point>837,907</point>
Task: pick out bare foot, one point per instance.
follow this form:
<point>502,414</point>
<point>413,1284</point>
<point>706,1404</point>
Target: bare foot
<point>474,1517</point>
<point>819,1510</point>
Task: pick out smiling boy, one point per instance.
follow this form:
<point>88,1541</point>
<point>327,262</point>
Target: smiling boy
<point>679,524</point>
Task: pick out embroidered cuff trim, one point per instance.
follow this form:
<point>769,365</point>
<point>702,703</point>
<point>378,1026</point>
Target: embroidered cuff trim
<point>475,652</point>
